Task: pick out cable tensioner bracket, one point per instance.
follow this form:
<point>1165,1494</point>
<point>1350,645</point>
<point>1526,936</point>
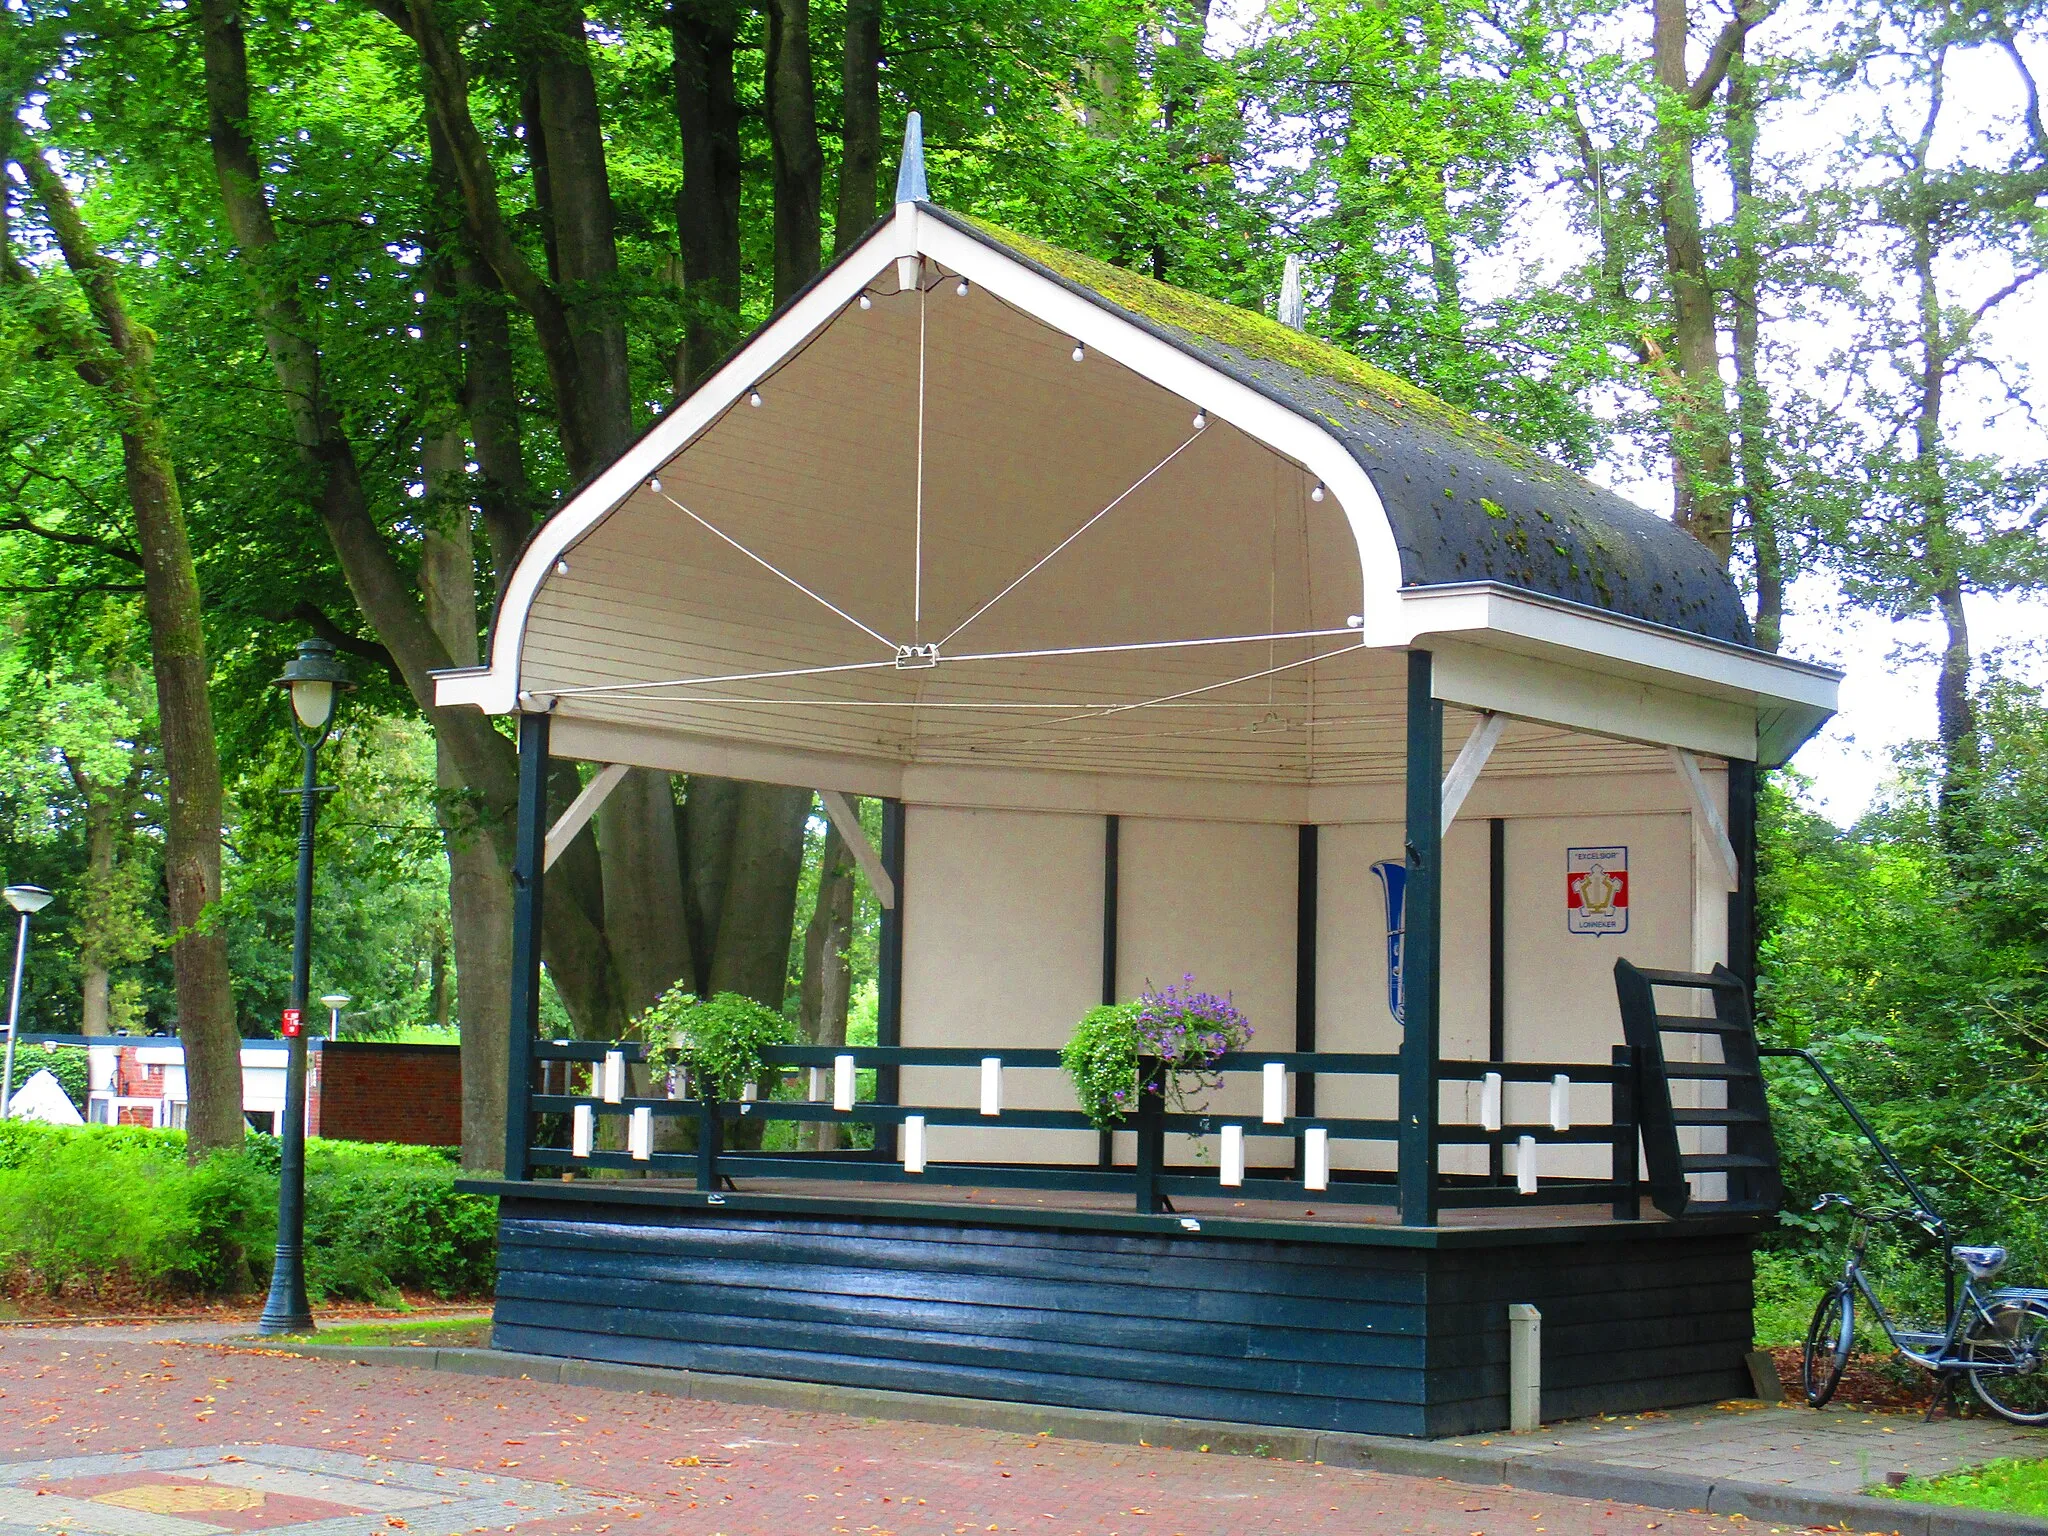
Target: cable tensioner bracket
<point>917,656</point>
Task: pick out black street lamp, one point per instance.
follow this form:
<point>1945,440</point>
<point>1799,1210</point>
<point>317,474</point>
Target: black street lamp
<point>314,678</point>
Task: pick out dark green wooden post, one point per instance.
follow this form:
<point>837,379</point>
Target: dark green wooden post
<point>1628,1195</point>
<point>1742,788</point>
<point>1151,1127</point>
<point>889,977</point>
<point>710,1137</point>
<point>1420,947</point>
<point>528,870</point>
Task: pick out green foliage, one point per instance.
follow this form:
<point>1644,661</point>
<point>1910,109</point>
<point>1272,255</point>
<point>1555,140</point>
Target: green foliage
<point>1921,979</point>
<point>1101,1059</point>
<point>719,1039</point>
<point>82,1210</point>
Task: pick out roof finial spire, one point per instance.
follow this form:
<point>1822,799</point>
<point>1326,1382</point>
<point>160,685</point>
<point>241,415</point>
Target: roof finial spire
<point>910,185</point>
<point>1293,309</point>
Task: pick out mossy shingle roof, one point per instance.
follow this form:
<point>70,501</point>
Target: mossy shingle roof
<point>1466,502</point>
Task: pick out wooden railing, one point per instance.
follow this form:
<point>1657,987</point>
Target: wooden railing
<point>587,1084</point>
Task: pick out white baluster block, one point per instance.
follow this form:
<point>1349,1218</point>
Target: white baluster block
<point>747,1093</point>
<point>991,1085</point>
<point>1525,1165</point>
<point>1233,1157</point>
<point>1560,1103</point>
<point>1315,1158</point>
<point>614,1080</point>
<point>816,1089</point>
<point>582,1130</point>
<point>1489,1101</point>
<point>640,1134</point>
<point>842,1083</point>
<point>913,1143</point>
<point>1274,1075</point>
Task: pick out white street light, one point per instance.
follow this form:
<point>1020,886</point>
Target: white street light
<point>27,900</point>
<point>334,1002</point>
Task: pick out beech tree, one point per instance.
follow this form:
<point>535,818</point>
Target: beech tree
<point>113,355</point>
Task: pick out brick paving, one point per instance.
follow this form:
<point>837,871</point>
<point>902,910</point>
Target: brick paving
<point>333,1445</point>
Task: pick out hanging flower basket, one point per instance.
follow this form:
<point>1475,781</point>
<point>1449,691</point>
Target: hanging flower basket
<point>718,1040</point>
<point>1188,1031</point>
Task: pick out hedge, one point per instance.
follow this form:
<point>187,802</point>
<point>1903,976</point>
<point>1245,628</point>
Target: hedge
<point>101,1209</point>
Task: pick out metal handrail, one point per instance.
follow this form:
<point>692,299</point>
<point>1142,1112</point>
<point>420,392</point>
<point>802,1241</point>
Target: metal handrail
<point>1869,1131</point>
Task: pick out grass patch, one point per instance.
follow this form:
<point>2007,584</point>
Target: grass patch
<point>2012,1487</point>
<point>447,1332</point>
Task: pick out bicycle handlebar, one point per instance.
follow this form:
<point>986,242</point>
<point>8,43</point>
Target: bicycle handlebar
<point>1926,1220</point>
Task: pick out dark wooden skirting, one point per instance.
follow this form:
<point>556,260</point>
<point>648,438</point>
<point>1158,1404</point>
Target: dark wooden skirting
<point>1308,1333</point>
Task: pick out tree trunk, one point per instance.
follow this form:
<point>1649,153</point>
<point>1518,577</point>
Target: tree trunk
<point>827,990</point>
<point>797,161</point>
<point>96,979</point>
<point>711,812</point>
<point>1700,453</point>
<point>860,159</point>
<point>1752,405</point>
<point>192,800</point>
<point>487,762</point>
<point>479,886</point>
<point>706,35</point>
<point>581,206</point>
<point>754,926</point>
<point>636,836</point>
<point>1955,710</point>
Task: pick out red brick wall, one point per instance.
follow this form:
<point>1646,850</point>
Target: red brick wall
<point>368,1090</point>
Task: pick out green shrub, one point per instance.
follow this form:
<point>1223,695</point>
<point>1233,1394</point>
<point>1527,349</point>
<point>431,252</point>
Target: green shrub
<point>384,1218</point>
<point>84,1209</point>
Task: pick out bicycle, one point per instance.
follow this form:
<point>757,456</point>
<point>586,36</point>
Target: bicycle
<point>1999,1339</point>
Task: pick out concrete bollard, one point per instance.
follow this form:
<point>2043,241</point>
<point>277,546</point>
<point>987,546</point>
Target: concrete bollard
<point>1525,1367</point>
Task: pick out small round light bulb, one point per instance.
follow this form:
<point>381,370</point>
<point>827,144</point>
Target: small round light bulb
<point>1079,352</point>
<point>754,398</point>
<point>654,486</point>
<point>866,302</point>
<point>962,289</point>
<point>561,567</point>
<point>1316,494</point>
<point>1201,420</point>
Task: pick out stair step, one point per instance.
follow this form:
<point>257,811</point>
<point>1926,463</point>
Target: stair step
<point>1722,1162</point>
<point>1710,1069</point>
<point>1693,979</point>
<point>1721,1116</point>
<point>1676,1024</point>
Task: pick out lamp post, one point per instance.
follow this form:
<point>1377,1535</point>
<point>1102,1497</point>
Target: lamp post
<point>27,900</point>
<point>334,1002</point>
<point>314,679</point>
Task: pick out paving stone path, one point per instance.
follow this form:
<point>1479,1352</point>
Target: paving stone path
<point>1835,1450</point>
<point>126,1432</point>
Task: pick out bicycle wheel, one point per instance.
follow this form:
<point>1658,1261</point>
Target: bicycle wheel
<point>1827,1344</point>
<point>2013,1342</point>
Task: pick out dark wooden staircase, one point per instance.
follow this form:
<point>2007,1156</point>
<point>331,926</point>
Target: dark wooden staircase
<point>1751,1161</point>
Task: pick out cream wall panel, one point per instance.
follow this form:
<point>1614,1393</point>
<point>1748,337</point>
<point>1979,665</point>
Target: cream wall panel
<point>1561,1005</point>
<point>1002,946</point>
<point>1216,899</point>
<point>1351,977</point>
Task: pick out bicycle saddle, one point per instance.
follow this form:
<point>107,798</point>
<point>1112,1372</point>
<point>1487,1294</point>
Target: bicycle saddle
<point>1982,1263</point>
